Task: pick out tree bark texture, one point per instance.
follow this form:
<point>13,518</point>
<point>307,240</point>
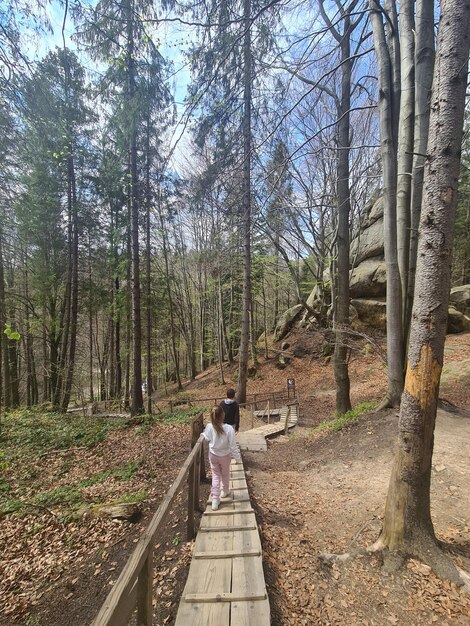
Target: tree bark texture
<point>405,142</point>
<point>424,64</point>
<point>407,523</point>
<point>246,207</point>
<point>341,319</point>
<point>137,401</point>
<point>387,106</point>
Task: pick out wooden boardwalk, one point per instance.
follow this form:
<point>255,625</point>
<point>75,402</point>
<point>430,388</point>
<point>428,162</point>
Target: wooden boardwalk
<point>225,585</point>
<point>254,440</point>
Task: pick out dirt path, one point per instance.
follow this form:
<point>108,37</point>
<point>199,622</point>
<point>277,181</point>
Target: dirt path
<point>328,496</point>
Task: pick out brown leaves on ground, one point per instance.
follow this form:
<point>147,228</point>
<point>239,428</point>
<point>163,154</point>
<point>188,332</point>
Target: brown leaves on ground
<point>49,557</point>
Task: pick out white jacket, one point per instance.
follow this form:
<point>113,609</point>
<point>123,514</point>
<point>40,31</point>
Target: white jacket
<point>222,445</point>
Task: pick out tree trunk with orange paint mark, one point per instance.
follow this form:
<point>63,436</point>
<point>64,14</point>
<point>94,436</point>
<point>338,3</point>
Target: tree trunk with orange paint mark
<point>408,527</point>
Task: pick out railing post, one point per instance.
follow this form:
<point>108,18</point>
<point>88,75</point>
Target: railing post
<point>145,591</point>
<point>197,476</point>
<point>286,428</point>
<point>269,412</point>
<point>252,416</point>
<point>190,521</point>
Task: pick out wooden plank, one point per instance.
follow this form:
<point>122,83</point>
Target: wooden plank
<point>229,500</point>
<point>223,597</point>
<point>247,575</point>
<point>226,554</point>
<point>124,607</point>
<point>228,512</point>
<point>240,518</point>
<point>233,528</point>
<point>203,614</point>
<point>145,593</point>
<point>250,613</point>
<point>208,576</point>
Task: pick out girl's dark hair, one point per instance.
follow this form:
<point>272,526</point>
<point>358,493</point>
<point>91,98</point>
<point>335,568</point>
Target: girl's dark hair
<point>217,419</point>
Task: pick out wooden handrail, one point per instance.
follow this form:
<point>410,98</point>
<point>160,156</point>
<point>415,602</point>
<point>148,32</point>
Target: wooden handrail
<point>134,585</point>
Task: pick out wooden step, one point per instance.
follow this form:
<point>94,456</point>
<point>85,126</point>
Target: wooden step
<point>226,554</point>
<point>224,597</point>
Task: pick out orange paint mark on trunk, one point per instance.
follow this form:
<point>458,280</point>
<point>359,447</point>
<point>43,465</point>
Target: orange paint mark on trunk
<point>422,381</point>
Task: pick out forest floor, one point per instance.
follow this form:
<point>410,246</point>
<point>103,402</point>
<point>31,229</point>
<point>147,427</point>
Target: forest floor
<point>315,491</point>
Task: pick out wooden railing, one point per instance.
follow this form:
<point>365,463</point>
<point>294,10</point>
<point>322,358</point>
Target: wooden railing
<point>276,398</point>
<point>133,588</point>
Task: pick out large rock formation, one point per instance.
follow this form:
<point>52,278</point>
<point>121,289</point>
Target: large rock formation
<point>368,284</point>
<point>368,279</point>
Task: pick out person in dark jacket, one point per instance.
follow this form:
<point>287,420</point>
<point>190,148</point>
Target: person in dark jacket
<point>231,410</point>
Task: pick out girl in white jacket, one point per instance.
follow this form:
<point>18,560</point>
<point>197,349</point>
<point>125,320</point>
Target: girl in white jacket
<point>222,448</point>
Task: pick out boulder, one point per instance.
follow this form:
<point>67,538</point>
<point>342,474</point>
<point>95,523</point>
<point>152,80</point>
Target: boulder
<point>457,322</point>
<point>372,213</point>
<point>460,298</point>
<point>369,279</point>
<point>369,243</point>
<point>371,313</point>
<point>285,322</point>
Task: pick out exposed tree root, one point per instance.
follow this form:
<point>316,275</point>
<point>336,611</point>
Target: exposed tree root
<point>450,407</point>
<point>427,552</point>
<point>386,404</point>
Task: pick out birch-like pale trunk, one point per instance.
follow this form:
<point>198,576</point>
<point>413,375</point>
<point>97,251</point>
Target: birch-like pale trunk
<point>408,527</point>
<point>387,105</point>
<point>424,64</point>
<point>405,141</point>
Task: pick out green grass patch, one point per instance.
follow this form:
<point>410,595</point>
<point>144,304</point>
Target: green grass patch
<point>32,432</point>
<point>126,472</point>
<point>176,417</point>
<point>343,420</point>
<point>133,496</point>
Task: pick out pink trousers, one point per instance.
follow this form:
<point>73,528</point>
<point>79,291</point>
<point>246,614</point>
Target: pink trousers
<point>220,467</point>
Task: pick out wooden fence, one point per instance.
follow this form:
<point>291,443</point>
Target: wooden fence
<point>133,589</point>
<point>276,399</point>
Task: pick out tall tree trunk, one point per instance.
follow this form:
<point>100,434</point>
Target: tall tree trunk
<point>246,206</point>
<point>405,144</point>
<point>408,525</point>
<point>28,344</point>
<point>5,365</point>
<point>148,273</point>
<point>341,305</point>
<point>46,363</point>
<point>72,194</point>
<point>90,324</point>
<point>424,64</point>
<point>174,349</point>
<point>137,402</point>
<point>387,105</point>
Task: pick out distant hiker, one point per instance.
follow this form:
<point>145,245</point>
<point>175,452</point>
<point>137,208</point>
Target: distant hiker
<point>222,448</point>
<point>231,410</point>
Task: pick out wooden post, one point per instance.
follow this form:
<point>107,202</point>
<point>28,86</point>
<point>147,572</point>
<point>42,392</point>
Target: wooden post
<point>286,427</point>
<point>197,475</point>
<point>254,402</point>
<point>202,465</point>
<point>144,591</point>
<point>252,416</point>
<point>171,406</point>
<point>190,520</point>
<point>269,411</point>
